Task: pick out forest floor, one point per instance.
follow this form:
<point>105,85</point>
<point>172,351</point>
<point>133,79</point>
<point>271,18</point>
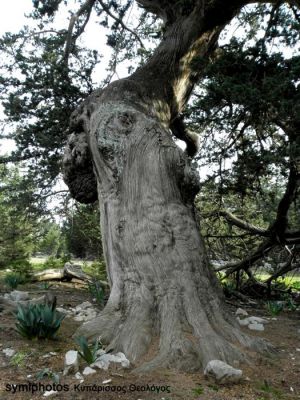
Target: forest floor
<point>276,377</point>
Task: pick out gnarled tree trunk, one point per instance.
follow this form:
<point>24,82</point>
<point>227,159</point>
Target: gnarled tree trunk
<point>163,295</point>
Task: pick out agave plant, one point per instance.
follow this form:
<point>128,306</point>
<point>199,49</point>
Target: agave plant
<point>13,280</point>
<point>96,291</point>
<point>38,320</point>
<point>88,353</point>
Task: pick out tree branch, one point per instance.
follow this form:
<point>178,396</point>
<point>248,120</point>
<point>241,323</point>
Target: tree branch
<point>262,250</point>
<point>287,267</point>
<point>232,219</point>
<point>86,8</point>
<point>119,21</point>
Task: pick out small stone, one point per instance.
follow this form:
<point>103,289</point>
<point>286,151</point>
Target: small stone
<point>242,312</point>
<point>18,295</point>
<point>78,376</point>
<point>222,372</point>
<point>297,349</point>
<point>88,371</point>
<point>9,352</point>
<point>104,360</point>
<point>106,381</point>
<point>61,310</point>
<point>252,320</point>
<point>79,318</point>
<point>49,393</point>
<point>256,327</point>
<point>100,352</point>
<point>71,362</point>
<point>84,305</point>
<point>257,320</point>
<point>243,322</point>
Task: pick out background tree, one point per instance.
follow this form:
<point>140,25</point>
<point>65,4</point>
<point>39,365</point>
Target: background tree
<point>18,222</point>
<point>82,233</point>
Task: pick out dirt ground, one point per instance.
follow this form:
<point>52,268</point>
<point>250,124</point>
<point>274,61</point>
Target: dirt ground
<point>276,377</point>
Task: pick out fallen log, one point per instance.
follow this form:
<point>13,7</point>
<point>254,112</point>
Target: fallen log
<point>66,274</point>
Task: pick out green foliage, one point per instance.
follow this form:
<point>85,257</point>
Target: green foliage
<point>88,353</point>
<point>18,359</point>
<point>274,307</point>
<point>96,290</point>
<point>51,242</point>
<point>199,390</point>
<point>296,285</point>
<point>229,286</point>
<point>38,321</point>
<point>53,262</point>
<point>82,232</point>
<point>289,303</point>
<point>17,222</point>
<point>13,280</point>
<point>46,285</point>
<point>47,373</point>
<point>268,389</point>
<point>96,269</point>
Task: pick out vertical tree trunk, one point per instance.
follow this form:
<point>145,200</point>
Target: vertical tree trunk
<point>164,298</point>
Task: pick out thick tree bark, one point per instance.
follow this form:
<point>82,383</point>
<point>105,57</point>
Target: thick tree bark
<point>164,298</point>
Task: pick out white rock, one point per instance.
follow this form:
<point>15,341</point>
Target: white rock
<point>101,364</point>
<point>17,295</point>
<point>256,327</point>
<point>243,322</point>
<point>61,310</point>
<point>104,360</point>
<point>78,376</point>
<point>49,393</point>
<point>106,381</point>
<point>222,372</point>
<point>9,352</point>
<point>100,352</point>
<point>242,312</point>
<point>257,320</point>
<point>71,362</point>
<point>122,358</point>
<point>84,305</point>
<point>88,371</point>
<point>79,318</point>
<point>252,320</point>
